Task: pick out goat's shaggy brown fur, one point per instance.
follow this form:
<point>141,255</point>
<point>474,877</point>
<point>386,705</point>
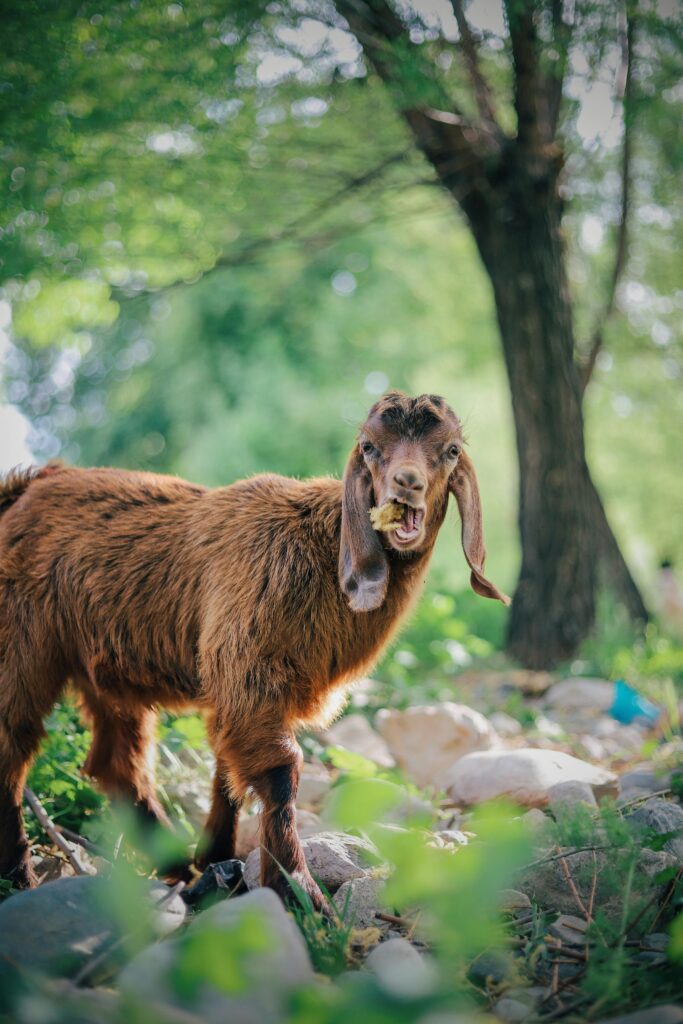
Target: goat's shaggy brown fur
<point>258,602</point>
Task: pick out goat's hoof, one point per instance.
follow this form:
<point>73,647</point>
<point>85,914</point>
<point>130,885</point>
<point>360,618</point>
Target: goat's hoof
<point>304,881</point>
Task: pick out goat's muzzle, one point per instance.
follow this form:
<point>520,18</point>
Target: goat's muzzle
<point>410,528</point>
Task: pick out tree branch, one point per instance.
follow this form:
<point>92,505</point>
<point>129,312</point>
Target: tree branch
<point>562,33</point>
<point>287,233</point>
<point>453,145</point>
<point>531,132</point>
<point>480,86</point>
<point>625,83</point>
<point>48,826</point>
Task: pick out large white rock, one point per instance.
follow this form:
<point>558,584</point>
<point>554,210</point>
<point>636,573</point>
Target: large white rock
<point>524,776</point>
<point>267,974</point>
<point>426,740</point>
<point>249,830</point>
<point>62,925</point>
<point>332,857</point>
<point>354,733</point>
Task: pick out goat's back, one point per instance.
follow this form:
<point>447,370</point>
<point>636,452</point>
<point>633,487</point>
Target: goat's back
<point>145,584</point>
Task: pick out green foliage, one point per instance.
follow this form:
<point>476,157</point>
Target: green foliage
<point>56,777</point>
<point>179,732</point>
<point>327,938</point>
<point>450,631</point>
<point>615,651</point>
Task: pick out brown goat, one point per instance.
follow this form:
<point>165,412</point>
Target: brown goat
<point>259,603</point>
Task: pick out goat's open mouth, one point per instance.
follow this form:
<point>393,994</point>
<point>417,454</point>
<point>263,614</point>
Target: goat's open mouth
<point>409,527</point>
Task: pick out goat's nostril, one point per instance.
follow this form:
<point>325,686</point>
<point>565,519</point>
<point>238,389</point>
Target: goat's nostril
<point>409,480</point>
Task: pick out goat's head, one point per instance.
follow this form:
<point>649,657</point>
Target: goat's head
<point>409,452</point>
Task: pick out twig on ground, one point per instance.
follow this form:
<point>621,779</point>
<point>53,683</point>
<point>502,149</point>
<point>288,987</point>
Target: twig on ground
<point>402,922</point>
<point>413,929</point>
<point>642,798</point>
<point>567,853</point>
<point>50,828</point>
<point>117,846</point>
<point>574,891</point>
<point>591,899</point>
<point>87,844</point>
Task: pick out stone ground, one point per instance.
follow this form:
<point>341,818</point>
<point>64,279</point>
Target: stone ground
<point>567,763</point>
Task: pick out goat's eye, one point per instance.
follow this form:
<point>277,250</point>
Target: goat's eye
<point>453,451</point>
<point>367,448</point>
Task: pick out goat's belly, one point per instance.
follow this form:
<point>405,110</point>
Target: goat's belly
<point>115,679</point>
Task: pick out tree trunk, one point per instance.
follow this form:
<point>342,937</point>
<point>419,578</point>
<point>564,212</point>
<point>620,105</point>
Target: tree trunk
<point>508,191</point>
<point>518,233</point>
<point>613,572</point>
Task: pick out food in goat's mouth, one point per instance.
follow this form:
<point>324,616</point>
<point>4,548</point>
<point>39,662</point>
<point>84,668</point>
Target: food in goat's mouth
<point>403,521</point>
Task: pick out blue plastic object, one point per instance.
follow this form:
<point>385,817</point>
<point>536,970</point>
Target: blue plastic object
<point>629,705</point>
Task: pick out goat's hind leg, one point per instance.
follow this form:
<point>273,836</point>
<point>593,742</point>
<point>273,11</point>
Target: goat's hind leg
<point>122,756</point>
<point>122,760</point>
<point>218,838</point>
<point>22,709</point>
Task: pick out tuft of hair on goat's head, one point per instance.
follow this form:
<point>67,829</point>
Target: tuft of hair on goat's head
<point>408,458</point>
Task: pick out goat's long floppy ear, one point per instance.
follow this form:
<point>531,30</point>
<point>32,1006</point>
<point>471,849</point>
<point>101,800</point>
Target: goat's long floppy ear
<point>463,484</point>
<point>363,565</point>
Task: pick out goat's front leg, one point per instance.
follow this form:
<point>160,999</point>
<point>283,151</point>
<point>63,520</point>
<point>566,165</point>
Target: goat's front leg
<point>269,761</point>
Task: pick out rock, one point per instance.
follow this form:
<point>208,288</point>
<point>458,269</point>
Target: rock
<point>426,740</point>
<point>642,780</point>
<point>537,823</point>
<point>591,747</point>
<point>617,738</point>
<point>491,968</point>
<point>450,837</point>
<point>510,900</point>
<point>268,972</point>
<point>55,1000</point>
<point>218,882</point>
<point>566,797</point>
<point>569,929</point>
<point>546,883</point>
<point>529,682</point>
<point>668,1014</point>
<point>358,901</point>
<point>587,695</point>
<point>192,795</point>
<point>355,733</point>
<point>505,725</point>
<point>249,826</point>
<point>314,783</point>
<point>512,1010</point>
<point>531,996</point>
<point>58,927</point>
<point>657,942</point>
<point>401,970</point>
<point>661,817</point>
<point>332,857</point>
<point>548,728</point>
<point>524,776</point>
